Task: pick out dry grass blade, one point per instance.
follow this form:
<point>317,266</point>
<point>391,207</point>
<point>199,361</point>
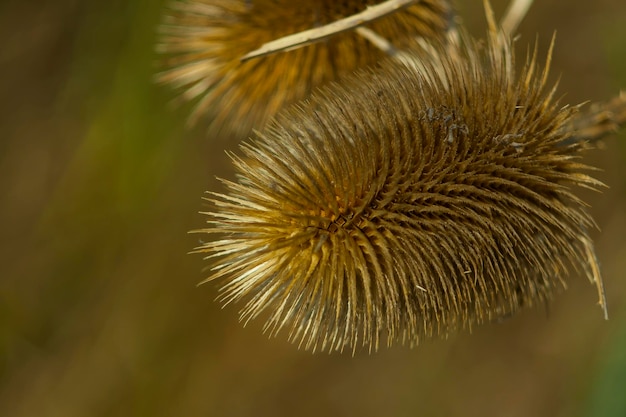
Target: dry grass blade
<point>307,37</point>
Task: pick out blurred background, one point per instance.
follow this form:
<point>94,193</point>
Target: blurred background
<point>99,310</point>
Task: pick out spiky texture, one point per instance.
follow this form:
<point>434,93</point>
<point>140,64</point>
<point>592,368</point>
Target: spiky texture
<point>403,204</point>
<point>204,40</point>
<point>599,121</point>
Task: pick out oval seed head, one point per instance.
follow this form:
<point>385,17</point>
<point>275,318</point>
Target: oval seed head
<point>204,41</point>
<point>403,204</point>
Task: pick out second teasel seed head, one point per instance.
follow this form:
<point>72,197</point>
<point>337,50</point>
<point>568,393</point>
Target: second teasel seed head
<point>203,41</point>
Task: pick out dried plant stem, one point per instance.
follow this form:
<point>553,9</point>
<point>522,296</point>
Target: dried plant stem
<point>384,45</point>
<point>308,37</point>
<point>377,40</point>
<point>514,15</point>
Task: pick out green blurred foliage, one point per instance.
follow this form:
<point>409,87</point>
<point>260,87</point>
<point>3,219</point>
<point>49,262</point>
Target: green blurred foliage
<point>99,310</point>
<point>607,392</point>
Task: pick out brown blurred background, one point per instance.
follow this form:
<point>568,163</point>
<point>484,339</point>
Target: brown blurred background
<point>99,310</point>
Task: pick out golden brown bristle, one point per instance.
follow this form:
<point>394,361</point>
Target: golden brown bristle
<point>204,41</point>
<point>404,204</point>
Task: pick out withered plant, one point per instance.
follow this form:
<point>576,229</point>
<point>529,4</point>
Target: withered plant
<point>403,204</point>
<point>204,41</point>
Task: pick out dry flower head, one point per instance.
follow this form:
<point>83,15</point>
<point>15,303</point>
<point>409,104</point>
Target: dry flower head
<point>203,42</point>
<point>404,204</point>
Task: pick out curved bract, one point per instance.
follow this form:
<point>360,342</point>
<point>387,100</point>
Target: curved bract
<point>204,41</point>
<point>404,204</point>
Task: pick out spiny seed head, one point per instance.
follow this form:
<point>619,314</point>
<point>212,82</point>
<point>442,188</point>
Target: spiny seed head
<point>204,41</point>
<point>404,204</point>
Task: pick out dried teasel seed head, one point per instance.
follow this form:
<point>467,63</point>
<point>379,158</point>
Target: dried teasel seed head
<point>204,41</point>
<point>404,204</point>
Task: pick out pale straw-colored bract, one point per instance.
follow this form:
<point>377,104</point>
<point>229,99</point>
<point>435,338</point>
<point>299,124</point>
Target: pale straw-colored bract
<point>405,204</point>
<point>203,41</point>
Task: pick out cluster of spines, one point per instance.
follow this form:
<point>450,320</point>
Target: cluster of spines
<point>203,42</point>
<point>406,203</point>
